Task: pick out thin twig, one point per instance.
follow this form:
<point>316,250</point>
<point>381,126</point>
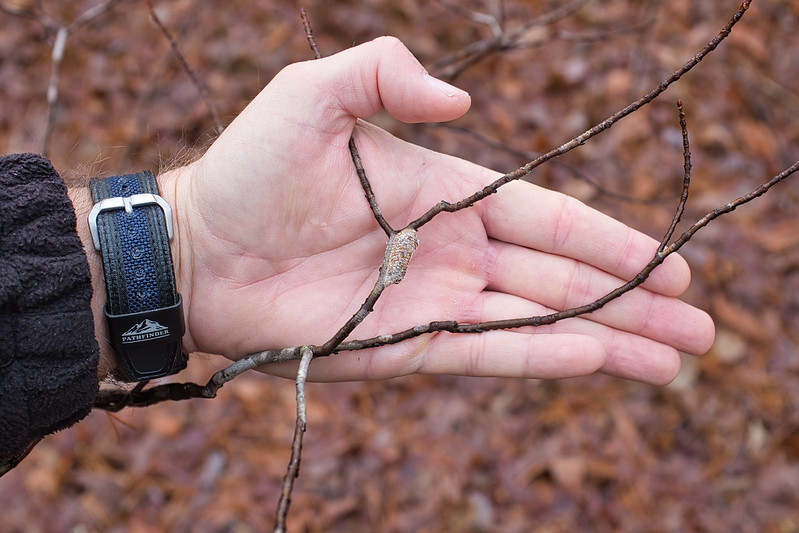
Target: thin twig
<point>496,43</point>
<point>117,399</point>
<point>366,307</point>
<point>598,35</point>
<point>145,98</point>
<point>308,353</point>
<point>306,24</point>
<point>686,182</point>
<point>293,469</point>
<point>367,189</point>
<point>732,206</point>
<point>455,327</point>
<point>201,89</point>
<point>354,154</point>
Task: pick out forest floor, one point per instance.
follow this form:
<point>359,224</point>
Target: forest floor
<point>715,451</point>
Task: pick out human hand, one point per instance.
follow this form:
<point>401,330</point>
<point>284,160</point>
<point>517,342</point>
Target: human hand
<point>277,245</point>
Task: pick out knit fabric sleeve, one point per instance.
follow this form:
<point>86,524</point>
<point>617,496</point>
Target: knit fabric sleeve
<point>48,352</point>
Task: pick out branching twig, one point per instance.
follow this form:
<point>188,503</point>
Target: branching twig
<point>640,278</point>
<point>368,305</point>
<point>184,391</point>
<point>399,250</point>
<point>660,256</point>
<point>367,188</point>
<point>336,343</point>
<point>686,182</point>
<point>401,243</point>
<point>201,89</point>
<point>113,400</point>
<point>306,24</point>
<point>296,443</point>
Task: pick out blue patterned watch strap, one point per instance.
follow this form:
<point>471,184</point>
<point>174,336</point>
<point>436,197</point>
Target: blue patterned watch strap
<point>137,260</point>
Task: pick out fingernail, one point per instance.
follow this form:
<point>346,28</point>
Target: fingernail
<point>443,87</point>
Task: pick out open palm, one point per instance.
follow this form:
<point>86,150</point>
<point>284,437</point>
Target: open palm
<point>277,245</point>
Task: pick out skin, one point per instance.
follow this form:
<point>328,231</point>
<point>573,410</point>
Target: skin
<point>276,246</point>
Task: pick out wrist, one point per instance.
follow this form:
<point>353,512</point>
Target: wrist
<point>174,186</point>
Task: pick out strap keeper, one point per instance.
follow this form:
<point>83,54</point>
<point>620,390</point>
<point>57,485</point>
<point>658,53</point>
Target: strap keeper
<point>145,337</point>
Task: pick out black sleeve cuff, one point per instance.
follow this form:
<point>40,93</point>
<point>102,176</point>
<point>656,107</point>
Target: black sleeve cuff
<point>48,352</point>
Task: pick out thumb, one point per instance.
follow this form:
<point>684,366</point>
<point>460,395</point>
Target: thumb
<point>382,74</point>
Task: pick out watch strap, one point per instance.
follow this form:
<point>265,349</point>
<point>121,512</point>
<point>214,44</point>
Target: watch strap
<point>131,226</point>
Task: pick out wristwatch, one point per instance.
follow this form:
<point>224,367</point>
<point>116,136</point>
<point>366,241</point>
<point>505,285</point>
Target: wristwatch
<point>131,226</point>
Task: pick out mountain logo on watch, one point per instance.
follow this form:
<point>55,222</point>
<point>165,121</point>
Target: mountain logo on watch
<point>146,330</point>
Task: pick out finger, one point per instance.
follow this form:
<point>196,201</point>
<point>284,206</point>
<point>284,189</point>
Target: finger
<point>380,74</point>
<point>629,356</point>
<point>562,283</point>
<point>567,348</point>
<point>549,221</point>
<point>490,354</point>
<point>513,354</point>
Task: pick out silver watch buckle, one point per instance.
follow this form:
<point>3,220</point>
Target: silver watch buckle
<point>128,203</point>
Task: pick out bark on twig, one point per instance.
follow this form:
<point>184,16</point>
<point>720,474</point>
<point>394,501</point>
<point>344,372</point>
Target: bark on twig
<point>293,468</point>
<point>201,89</point>
<point>686,181</point>
<point>367,189</point>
